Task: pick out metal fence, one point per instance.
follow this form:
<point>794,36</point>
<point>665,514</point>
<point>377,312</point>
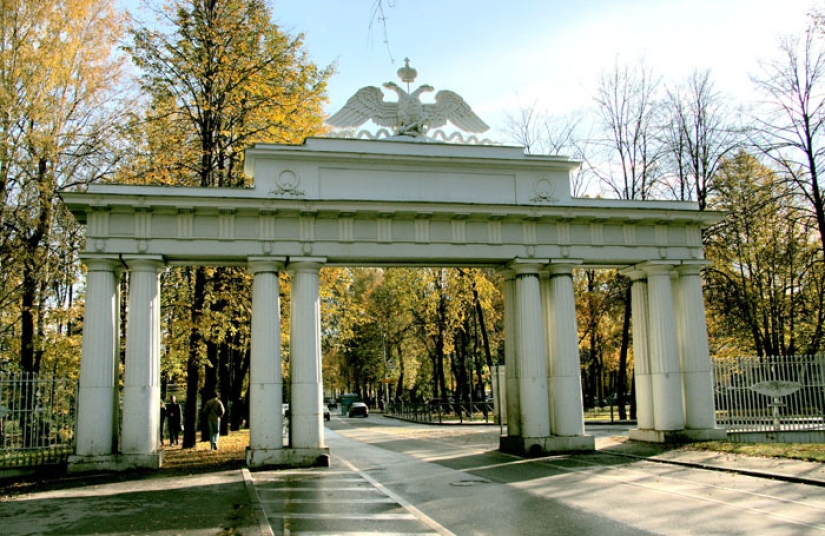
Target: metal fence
<point>37,417</point>
<point>442,412</point>
<point>770,394</point>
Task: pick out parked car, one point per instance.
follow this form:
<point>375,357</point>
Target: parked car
<point>327,416</point>
<point>358,409</point>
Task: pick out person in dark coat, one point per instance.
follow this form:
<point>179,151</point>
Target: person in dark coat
<point>213,410</point>
<point>173,420</point>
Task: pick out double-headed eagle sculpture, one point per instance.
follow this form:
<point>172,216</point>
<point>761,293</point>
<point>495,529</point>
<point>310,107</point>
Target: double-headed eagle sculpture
<point>408,117</point>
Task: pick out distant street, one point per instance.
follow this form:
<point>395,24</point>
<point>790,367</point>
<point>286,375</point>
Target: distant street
<point>391,477</point>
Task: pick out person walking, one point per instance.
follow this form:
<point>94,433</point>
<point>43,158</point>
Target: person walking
<point>213,410</point>
<point>173,420</point>
<point>162,419</point>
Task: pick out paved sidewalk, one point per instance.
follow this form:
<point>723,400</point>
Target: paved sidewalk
<point>202,504</point>
<point>811,473</point>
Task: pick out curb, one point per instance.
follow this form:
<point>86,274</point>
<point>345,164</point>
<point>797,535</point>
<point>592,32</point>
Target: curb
<point>265,529</point>
<point>724,469</point>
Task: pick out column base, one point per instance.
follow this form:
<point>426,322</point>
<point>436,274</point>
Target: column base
<point>287,457</point>
<point>114,462</point>
<point>539,446</point>
<point>677,436</point>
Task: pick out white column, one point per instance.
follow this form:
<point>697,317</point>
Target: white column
<point>697,373</point>
<point>665,369</point>
<point>511,355</point>
<point>306,419</point>
<point>641,355</point>
<point>96,425</point>
<point>531,352</point>
<point>546,293</point>
<point>564,365</point>
<point>265,377</point>
<point>141,391</point>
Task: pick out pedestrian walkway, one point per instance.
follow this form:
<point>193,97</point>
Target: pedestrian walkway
<point>324,501</point>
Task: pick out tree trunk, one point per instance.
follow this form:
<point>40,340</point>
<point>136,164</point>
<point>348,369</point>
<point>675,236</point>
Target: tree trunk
<point>210,382</point>
<point>225,382</point>
<point>193,362</point>
<point>621,380</point>
<point>485,339</point>
<point>27,319</point>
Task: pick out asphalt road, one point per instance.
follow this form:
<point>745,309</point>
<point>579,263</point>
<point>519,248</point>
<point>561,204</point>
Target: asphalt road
<point>390,477</point>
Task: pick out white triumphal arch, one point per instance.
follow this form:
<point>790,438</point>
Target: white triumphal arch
<point>399,202</point>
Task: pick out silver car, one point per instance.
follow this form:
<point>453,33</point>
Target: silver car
<point>358,409</point>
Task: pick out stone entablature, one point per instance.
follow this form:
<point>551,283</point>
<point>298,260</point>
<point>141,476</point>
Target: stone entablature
<point>359,202</point>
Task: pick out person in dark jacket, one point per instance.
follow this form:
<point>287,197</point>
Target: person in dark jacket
<point>173,420</point>
<point>213,410</point>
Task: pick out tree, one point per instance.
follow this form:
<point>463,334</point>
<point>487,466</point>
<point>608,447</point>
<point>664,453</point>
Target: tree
<point>540,133</point>
<point>219,76</point>
<point>58,72</point>
<point>697,137</point>
<point>627,103</point>
<point>600,306</point>
<point>766,265</point>
<point>790,126</point>
<point>231,78</point>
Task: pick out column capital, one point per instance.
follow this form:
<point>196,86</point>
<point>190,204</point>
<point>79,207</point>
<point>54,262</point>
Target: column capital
<point>101,263</point>
<point>635,273</point>
<point>257,265</point>
<point>145,262</point>
<point>506,272</point>
<point>306,264</point>
<point>563,267</point>
<point>691,267</point>
<point>655,267</point>
<point>527,266</point>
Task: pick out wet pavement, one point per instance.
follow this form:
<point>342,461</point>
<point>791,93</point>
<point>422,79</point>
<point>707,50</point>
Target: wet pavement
<point>238,502</point>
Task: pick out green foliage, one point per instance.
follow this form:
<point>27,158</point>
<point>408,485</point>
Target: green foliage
<point>57,80</point>
<point>423,321</point>
<point>220,79</point>
<point>600,307</point>
<point>765,285</point>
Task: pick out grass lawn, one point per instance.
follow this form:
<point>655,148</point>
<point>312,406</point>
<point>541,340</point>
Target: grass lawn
<point>809,452</point>
<point>231,454</point>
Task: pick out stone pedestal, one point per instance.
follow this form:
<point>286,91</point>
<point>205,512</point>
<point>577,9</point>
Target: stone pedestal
<point>677,436</point>
<point>540,446</point>
<point>114,462</point>
<point>287,457</point>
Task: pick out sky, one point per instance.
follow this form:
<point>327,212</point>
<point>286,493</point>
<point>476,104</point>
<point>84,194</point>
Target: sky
<point>546,54</point>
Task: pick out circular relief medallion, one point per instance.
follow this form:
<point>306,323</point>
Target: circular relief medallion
<point>288,180</point>
<point>544,190</point>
